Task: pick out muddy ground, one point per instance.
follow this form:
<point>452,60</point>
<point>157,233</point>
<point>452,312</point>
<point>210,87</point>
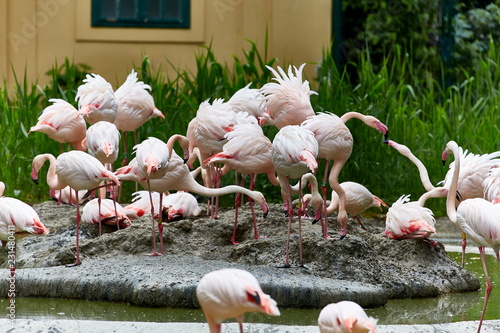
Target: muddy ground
<point>365,266</point>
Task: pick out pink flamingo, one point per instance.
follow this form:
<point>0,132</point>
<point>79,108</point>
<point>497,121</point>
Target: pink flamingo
<point>491,184</point>
<point>62,123</point>
<point>294,153</point>
<point>247,100</point>
<point>345,317</point>
<point>472,175</point>
<point>76,169</point>
<point>247,151</point>
<point>478,218</point>
<point>286,102</point>
<point>105,211</point>
<point>153,158</point>
<point>358,199</point>
<point>17,215</point>
<point>103,139</point>
<point>230,293</point>
<point>96,99</point>
<point>135,107</point>
<point>179,178</point>
<point>177,205</point>
<point>21,216</point>
<point>410,220</point>
<point>335,143</point>
<point>207,132</point>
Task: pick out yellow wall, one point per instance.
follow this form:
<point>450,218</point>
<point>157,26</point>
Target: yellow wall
<point>36,33</point>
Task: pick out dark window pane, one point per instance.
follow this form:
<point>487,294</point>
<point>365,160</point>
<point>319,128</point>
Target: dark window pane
<point>109,9</point>
<point>128,9</point>
<point>173,10</point>
<point>153,10</point>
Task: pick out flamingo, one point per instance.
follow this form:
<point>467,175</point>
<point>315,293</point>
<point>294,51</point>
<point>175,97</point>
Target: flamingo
<point>62,123</point>
<point>181,205</point>
<point>102,142</point>
<point>179,178</point>
<point>18,214</point>
<point>335,143</point>
<point>105,212</point>
<point>247,100</point>
<point>230,293</point>
<point>178,205</point>
<point>294,153</point>
<point>76,169</point>
<point>247,151</point>
<point>152,158</point>
<point>472,175</point>
<point>407,219</point>
<point>345,317</point>
<point>478,218</point>
<point>207,132</point>
<point>358,199</point>
<point>286,102</point>
<point>135,107</point>
<point>491,185</point>
<point>96,99</point>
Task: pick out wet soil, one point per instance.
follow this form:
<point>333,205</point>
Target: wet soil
<point>365,266</point>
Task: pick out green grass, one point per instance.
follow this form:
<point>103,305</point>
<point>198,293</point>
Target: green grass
<point>403,95</point>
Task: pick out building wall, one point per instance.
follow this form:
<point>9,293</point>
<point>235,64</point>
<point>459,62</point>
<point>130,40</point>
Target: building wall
<point>37,33</point>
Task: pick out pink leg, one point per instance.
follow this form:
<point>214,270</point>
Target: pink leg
<point>290,214</point>
<point>100,219</point>
<point>237,202</point>
<point>464,247</point>
<point>301,264</point>
<point>153,227</point>
<point>489,287</point>
<point>160,224</point>
<point>324,222</point>
<point>250,202</point>
<point>77,222</point>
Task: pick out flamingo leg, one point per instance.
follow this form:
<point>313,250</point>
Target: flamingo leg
<point>301,264</point>
<point>99,212</point>
<point>253,177</point>
<point>324,221</point>
<point>489,287</point>
<point>77,231</point>
<point>155,253</point>
<point>333,179</point>
<point>160,224</point>
<point>464,247</point>
<point>237,202</point>
<point>290,214</point>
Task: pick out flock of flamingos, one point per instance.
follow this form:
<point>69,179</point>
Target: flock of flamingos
<point>229,133</point>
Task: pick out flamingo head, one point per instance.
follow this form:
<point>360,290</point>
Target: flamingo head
<point>175,214</point>
<point>39,228</point>
<point>266,304</point>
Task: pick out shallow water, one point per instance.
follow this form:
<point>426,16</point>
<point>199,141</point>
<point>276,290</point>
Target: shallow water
<point>447,308</point>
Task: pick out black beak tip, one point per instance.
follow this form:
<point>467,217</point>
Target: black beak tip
<point>264,215</point>
<point>386,136</point>
<point>35,180</point>
<point>315,221</point>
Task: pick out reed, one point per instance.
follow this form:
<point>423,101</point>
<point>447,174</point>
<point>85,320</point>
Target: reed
<point>406,96</point>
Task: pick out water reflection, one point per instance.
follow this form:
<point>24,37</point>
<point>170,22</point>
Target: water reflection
<point>446,308</point>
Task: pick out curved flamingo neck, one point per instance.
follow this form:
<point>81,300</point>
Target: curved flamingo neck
<point>424,175</point>
<point>334,204</point>
<point>52,179</point>
<point>450,198</point>
<point>2,188</point>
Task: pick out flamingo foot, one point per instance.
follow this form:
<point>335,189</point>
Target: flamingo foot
<point>78,263</point>
<point>153,254</point>
<point>260,236</point>
<point>234,242</point>
<point>430,242</point>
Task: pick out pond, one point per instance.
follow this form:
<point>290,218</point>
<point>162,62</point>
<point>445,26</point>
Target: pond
<point>443,309</point>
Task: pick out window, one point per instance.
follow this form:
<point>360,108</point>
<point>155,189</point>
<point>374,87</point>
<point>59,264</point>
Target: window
<point>141,13</point>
